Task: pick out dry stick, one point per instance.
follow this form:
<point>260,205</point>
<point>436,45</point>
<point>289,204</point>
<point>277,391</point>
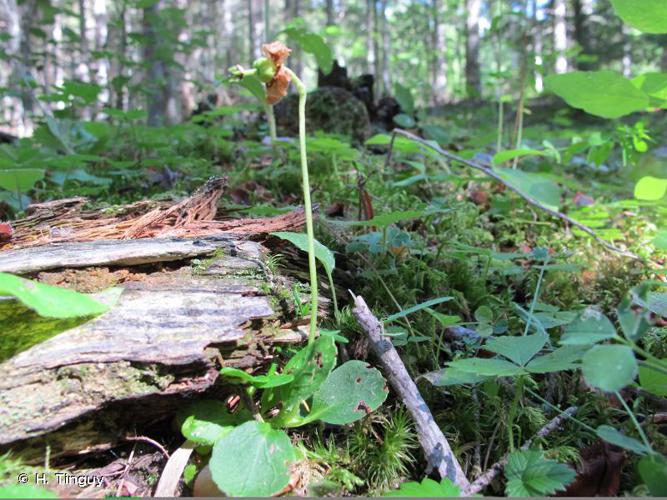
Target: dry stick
<point>489,171</point>
<point>436,448</point>
<point>485,479</point>
<point>172,472</point>
<point>152,442</point>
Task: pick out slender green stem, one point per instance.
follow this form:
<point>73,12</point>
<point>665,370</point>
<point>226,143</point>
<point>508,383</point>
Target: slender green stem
<point>301,91</point>
<point>631,414</point>
<point>555,408</point>
<point>333,295</point>
<point>518,394</point>
<point>271,119</point>
<point>535,297</point>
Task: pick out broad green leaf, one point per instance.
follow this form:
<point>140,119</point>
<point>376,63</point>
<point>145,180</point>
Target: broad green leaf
<point>428,488</point>
<point>26,491</point>
<point>653,380</point>
<point>603,93</point>
<point>206,421</point>
<point>404,98</point>
<point>528,473</point>
<point>50,301</point>
<point>563,358</point>
<point>401,144</point>
<point>300,240</point>
<point>404,121</point>
<point>351,391</point>
<point>533,185</point>
<point>590,327</point>
<point>614,436</point>
<point>452,376</point>
<point>20,179</point>
<point>387,219</point>
<point>253,85</point>
<point>416,308</point>
<point>520,350</point>
<point>313,44</point>
<point>271,379</point>
<point>487,367</point>
<point>510,154</point>
<point>660,239</point>
<point>310,367</point>
<point>653,470</point>
<point>635,321</point>
<point>653,84</point>
<point>609,367</point>
<point>252,460</point>
<point>648,16</point>
<point>650,188</point>
<point>86,91</point>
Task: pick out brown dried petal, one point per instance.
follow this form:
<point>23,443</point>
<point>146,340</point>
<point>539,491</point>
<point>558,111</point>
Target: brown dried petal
<point>277,51</point>
<point>276,89</point>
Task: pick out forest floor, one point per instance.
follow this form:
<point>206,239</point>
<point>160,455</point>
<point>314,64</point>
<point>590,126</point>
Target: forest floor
<point>438,230</point>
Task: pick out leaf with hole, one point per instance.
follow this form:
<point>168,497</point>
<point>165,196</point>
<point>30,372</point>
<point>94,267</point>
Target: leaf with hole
<point>252,460</point>
<point>351,392</point>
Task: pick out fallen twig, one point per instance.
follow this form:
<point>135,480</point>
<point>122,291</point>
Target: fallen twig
<point>435,445</point>
<point>491,173</point>
<point>485,479</point>
<point>152,442</point>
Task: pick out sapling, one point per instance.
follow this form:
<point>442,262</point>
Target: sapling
<point>276,77</point>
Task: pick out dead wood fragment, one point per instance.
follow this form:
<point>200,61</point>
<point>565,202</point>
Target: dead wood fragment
<point>435,445</point>
<point>66,221</point>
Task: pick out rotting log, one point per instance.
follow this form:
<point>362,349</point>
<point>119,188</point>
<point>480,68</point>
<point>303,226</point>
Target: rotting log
<point>160,344</point>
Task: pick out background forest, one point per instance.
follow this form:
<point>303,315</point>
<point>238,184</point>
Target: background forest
<point>165,56</point>
<point>405,248</point>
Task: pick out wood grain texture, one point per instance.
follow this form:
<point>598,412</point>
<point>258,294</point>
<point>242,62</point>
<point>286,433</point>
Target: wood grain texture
<point>155,342</point>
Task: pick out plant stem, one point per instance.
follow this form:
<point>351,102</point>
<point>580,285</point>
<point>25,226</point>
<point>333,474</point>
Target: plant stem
<point>301,91</point>
<point>631,414</point>
<point>271,119</point>
<point>535,297</point>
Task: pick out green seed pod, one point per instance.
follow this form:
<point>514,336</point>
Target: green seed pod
<point>265,69</point>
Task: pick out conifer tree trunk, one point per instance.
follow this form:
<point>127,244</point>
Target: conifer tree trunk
<point>438,59</point>
<point>472,72</point>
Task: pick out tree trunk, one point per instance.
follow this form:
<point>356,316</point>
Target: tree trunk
<point>330,13</point>
<point>438,59</point>
<point>473,79</point>
<point>370,46</point>
<point>156,78</point>
<point>377,62</point>
<point>626,61</point>
<point>252,40</point>
<point>560,36</point>
<point>386,48</point>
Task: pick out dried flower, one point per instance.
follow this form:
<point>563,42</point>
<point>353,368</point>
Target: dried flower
<point>277,87</point>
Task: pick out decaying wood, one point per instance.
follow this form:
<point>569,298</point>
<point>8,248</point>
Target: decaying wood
<point>435,445</point>
<point>110,253</point>
<point>160,342</point>
<point>194,217</point>
<point>485,479</point>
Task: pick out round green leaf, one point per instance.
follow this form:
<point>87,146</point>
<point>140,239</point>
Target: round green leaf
<point>603,93</point>
<point>20,179</point>
<point>653,470</point>
<point>252,460</point>
<point>351,392</point>
<point>206,421</point>
<point>609,367</point>
<point>649,16</point>
<point>650,188</point>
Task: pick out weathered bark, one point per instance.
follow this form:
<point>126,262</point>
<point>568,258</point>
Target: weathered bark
<point>473,79</point>
<point>86,387</point>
